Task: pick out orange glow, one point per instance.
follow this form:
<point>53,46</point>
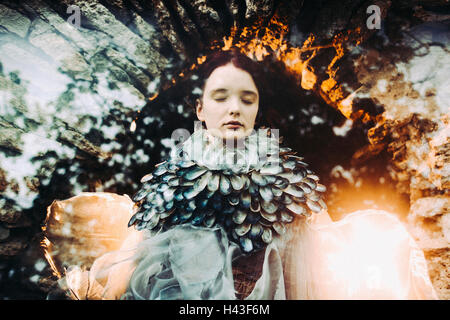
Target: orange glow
<point>153,97</point>
<point>201,59</point>
<point>227,43</point>
<point>258,41</point>
<point>368,264</point>
<point>85,228</point>
<point>273,37</point>
<point>309,79</point>
<point>47,247</point>
<point>345,106</point>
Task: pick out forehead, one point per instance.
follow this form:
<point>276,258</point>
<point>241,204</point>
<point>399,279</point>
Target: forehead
<point>231,78</point>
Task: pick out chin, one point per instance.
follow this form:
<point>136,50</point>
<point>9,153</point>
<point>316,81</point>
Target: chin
<point>229,134</point>
<point>235,134</point>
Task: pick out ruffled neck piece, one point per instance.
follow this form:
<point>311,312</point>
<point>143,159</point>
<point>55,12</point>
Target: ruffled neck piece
<point>238,156</point>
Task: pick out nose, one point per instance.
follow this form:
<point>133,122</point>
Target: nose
<point>234,106</point>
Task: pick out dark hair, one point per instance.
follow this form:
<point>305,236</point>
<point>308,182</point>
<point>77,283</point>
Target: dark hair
<point>221,58</point>
<point>239,60</point>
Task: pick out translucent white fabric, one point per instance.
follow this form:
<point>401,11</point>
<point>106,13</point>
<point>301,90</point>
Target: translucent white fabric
<point>367,255</point>
<point>186,262</point>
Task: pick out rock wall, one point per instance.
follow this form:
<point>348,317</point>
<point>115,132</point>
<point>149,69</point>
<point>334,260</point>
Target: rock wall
<point>75,74</point>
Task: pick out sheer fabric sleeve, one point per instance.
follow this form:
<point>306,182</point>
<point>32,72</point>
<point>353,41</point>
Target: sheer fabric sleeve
<point>367,255</point>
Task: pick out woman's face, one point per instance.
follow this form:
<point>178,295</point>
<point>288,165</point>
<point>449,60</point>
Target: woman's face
<point>229,103</point>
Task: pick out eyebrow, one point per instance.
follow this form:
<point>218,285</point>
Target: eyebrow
<point>221,90</point>
<point>247,92</point>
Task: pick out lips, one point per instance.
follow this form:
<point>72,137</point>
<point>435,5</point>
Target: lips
<point>233,123</point>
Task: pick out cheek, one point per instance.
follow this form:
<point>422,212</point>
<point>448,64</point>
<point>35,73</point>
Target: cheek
<point>252,112</point>
<point>213,109</point>
<point>213,113</point>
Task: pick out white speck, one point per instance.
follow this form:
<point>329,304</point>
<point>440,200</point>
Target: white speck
<point>34,278</point>
<point>92,223</point>
<point>197,90</point>
<point>153,85</point>
<point>141,156</point>
<point>66,230</point>
<point>149,143</point>
<point>317,120</point>
<point>339,171</point>
<point>117,158</point>
<point>127,160</point>
<point>73,180</point>
<point>69,208</point>
<point>40,265</point>
<point>344,129</point>
<point>382,85</point>
<point>11,273</point>
<point>168,143</point>
<point>110,132</point>
<point>148,120</point>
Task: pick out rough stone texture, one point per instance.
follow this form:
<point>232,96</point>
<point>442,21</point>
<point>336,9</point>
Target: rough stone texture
<point>258,8</point>
<point>4,233</point>
<point>9,213</point>
<point>414,129</point>
<point>439,266</point>
<point>12,247</point>
<point>13,21</point>
<point>167,23</point>
<point>429,218</point>
<point>207,19</point>
<point>44,37</point>
<point>137,49</point>
<point>10,136</point>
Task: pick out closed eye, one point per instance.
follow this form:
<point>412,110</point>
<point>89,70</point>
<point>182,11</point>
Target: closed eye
<point>249,97</point>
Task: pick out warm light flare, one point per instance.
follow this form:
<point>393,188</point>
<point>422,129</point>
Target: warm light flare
<point>251,43</point>
<point>201,59</point>
<point>346,107</point>
<point>153,97</point>
<point>371,263</point>
<point>46,245</point>
<point>85,229</point>
<point>309,79</point>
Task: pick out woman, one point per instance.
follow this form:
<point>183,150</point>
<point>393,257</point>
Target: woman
<point>233,215</point>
